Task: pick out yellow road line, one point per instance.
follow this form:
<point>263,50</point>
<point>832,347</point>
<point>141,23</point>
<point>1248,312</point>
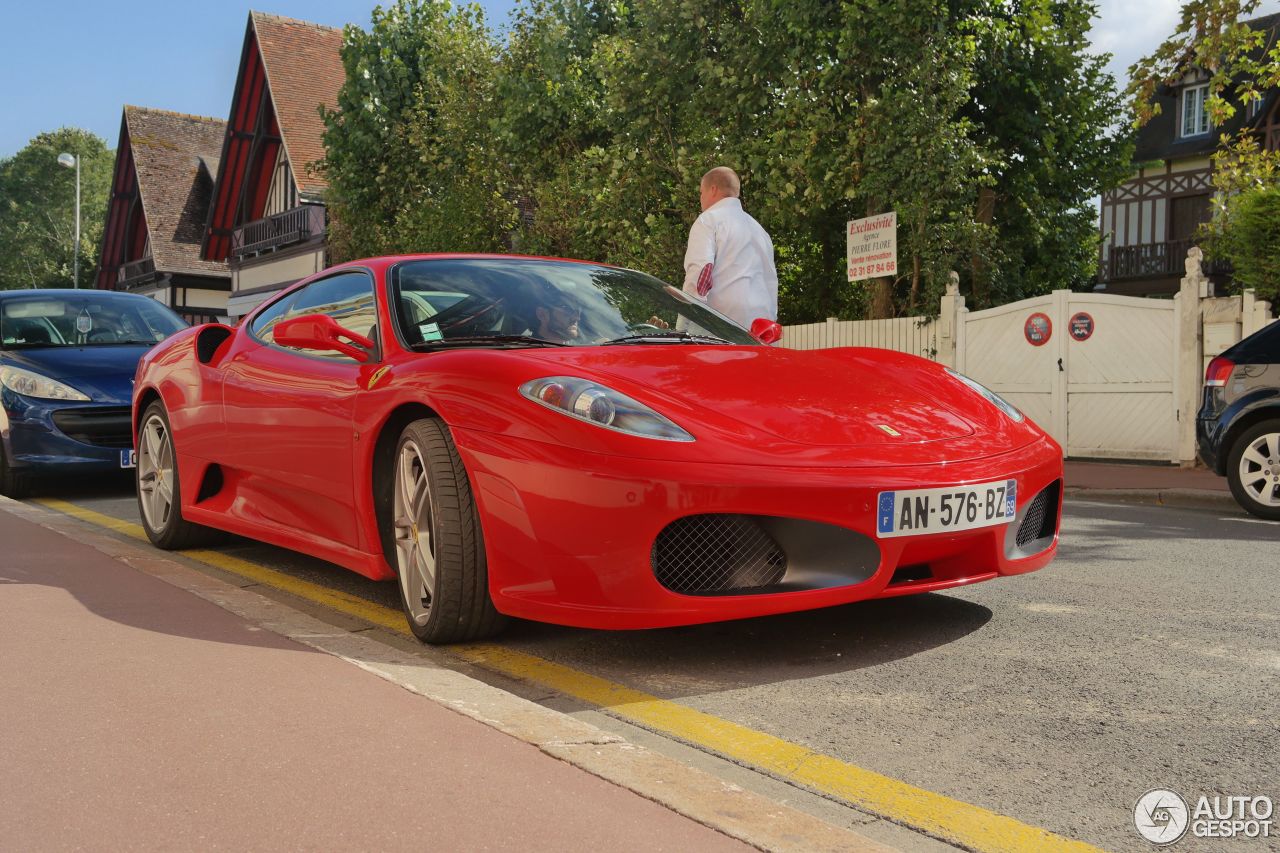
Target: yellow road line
<point>952,820</point>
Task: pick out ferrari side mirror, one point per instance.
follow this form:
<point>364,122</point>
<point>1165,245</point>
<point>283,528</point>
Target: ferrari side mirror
<point>766,331</point>
<point>322,332</point>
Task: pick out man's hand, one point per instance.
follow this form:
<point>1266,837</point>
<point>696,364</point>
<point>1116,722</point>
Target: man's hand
<point>655,320</point>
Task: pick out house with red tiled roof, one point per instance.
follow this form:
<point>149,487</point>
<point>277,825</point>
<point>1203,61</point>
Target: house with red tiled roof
<point>266,220</point>
<point>160,192</point>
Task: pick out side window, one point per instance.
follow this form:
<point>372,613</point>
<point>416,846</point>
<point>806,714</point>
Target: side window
<point>346,297</point>
<point>265,322</point>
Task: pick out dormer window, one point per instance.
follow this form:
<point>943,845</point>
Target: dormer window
<point>1195,118</point>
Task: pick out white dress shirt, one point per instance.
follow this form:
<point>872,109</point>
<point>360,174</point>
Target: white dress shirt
<point>742,283</point>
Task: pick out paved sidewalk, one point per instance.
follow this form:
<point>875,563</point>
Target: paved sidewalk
<point>1161,484</point>
<point>139,716</point>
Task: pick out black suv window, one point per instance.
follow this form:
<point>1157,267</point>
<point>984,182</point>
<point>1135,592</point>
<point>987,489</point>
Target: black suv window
<point>1262,347</point>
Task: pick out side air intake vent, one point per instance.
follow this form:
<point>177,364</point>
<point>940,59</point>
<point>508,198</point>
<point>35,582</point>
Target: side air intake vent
<point>1036,525</point>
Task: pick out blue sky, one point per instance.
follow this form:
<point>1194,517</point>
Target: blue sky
<point>78,62</point>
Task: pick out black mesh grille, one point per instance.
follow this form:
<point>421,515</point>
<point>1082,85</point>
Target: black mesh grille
<point>109,426</point>
<point>1041,518</point>
<point>717,554</point>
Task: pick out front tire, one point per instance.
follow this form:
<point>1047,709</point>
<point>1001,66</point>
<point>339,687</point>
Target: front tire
<point>159,494</point>
<point>1253,470</point>
<point>439,548</point>
<point>13,484</point>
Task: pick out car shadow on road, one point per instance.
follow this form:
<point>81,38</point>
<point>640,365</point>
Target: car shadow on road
<point>118,485</point>
<point>764,650</point>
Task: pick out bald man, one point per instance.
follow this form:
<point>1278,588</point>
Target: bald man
<point>729,262</point>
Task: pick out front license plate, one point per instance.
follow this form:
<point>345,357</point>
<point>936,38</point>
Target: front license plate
<point>128,459</point>
<point>919,511</point>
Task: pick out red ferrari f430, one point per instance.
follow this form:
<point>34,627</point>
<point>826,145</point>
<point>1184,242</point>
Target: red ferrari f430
<point>581,444</point>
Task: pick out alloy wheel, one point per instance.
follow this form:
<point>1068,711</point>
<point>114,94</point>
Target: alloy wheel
<point>1260,469</point>
<point>414,532</point>
<point>155,472</point>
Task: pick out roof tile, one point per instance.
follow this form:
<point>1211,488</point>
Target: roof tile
<point>304,71</point>
<point>175,186</point>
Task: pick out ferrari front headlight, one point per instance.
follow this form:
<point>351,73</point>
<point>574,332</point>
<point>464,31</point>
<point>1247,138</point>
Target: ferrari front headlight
<point>600,405</point>
<point>995,399</point>
<point>30,384</point>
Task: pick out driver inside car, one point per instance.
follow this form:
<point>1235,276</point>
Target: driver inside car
<point>556,318</point>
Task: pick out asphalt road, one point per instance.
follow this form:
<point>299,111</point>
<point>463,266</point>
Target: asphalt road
<point>1147,656</point>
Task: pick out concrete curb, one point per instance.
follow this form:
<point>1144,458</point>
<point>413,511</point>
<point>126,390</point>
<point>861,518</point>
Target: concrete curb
<point>1186,498</point>
<point>749,817</point>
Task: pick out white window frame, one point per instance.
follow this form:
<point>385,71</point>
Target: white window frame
<point>1200,125</point>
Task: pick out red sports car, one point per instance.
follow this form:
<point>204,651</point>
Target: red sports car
<point>581,444</point>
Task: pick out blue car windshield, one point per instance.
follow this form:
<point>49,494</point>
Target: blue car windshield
<point>83,320</point>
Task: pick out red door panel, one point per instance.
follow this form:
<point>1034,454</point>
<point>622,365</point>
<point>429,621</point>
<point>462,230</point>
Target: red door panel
<point>290,439</point>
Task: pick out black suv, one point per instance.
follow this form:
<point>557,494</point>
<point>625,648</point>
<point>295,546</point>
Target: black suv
<point>1238,427</point>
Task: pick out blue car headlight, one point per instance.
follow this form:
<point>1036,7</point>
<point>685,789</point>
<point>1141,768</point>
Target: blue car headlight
<point>600,405</point>
<point>30,384</point>
<point>995,399</point>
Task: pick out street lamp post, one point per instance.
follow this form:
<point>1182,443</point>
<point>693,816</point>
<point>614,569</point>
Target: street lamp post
<point>72,160</point>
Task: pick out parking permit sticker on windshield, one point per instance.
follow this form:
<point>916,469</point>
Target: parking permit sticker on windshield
<point>430,331</point>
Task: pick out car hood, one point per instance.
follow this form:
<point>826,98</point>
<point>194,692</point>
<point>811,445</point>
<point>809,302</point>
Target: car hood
<point>856,400</point>
<point>104,373</point>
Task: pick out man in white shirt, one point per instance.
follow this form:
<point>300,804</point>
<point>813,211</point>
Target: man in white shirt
<point>729,262</point>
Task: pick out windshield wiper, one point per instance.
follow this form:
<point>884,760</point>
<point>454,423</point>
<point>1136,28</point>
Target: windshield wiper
<point>149,343</point>
<point>668,337</point>
<point>473,340</point>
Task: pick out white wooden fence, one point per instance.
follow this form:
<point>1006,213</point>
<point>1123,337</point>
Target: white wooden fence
<point>916,335</point>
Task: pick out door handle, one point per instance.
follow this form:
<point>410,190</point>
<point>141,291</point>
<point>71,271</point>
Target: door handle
<point>1061,369</point>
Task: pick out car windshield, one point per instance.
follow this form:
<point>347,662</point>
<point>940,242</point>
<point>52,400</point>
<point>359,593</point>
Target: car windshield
<point>513,301</point>
<point>83,320</point>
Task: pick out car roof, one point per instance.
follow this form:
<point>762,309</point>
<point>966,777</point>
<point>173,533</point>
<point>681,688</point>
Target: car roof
<point>388,260</point>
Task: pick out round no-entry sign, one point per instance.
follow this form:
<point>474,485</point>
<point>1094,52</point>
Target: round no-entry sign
<point>1081,326</point>
<point>1039,329</point>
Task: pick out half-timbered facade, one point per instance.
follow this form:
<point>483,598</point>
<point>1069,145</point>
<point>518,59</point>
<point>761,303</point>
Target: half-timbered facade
<point>1149,222</point>
<point>160,191</point>
<point>267,218</point>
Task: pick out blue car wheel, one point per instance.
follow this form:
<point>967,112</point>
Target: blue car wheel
<point>13,484</point>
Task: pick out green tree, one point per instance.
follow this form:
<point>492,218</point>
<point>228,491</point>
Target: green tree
<point>830,112</point>
<point>37,210</point>
<point>408,151</point>
<point>602,116</point>
<point>1045,109</point>
<point>1252,243</point>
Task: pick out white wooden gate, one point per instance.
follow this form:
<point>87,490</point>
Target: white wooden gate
<point>1096,371</point>
<point>992,348</point>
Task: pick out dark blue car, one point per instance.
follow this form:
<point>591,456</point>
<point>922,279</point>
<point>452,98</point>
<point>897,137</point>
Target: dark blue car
<point>67,360</point>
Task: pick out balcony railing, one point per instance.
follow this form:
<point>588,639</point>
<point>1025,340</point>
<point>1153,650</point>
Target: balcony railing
<point>135,273</point>
<point>275,232</point>
<point>1155,260</point>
